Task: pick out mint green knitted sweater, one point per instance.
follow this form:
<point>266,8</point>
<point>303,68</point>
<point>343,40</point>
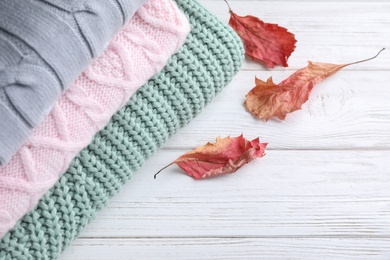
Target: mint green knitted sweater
<point>210,57</point>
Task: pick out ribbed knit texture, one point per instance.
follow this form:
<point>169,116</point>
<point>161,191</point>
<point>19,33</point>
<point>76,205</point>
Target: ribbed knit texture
<point>210,57</point>
<point>138,52</point>
<point>44,46</point>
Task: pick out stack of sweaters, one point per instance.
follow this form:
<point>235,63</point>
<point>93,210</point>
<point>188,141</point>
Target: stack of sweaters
<point>88,91</point>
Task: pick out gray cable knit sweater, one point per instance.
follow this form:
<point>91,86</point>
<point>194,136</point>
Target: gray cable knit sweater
<point>44,46</point>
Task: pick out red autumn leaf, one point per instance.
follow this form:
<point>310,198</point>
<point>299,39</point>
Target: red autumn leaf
<point>227,155</point>
<point>264,42</point>
<point>268,99</point>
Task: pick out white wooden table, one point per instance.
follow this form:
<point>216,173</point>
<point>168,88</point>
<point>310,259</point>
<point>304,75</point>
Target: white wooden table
<point>323,189</point>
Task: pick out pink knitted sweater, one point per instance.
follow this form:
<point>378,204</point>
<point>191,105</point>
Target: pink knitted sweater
<point>135,54</point>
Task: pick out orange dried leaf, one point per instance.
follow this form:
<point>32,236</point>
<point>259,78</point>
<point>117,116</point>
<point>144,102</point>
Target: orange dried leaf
<point>264,42</point>
<point>225,156</point>
<point>268,99</point>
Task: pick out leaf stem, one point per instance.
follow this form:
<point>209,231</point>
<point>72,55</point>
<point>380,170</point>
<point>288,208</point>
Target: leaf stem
<point>360,61</point>
<point>162,169</point>
<point>228,5</point>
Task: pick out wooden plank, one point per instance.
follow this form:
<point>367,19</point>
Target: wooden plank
<point>325,31</point>
<point>286,193</point>
<point>350,110</point>
<point>229,248</point>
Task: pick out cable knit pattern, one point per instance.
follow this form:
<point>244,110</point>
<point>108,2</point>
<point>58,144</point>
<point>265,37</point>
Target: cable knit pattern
<point>210,57</point>
<point>134,55</point>
<point>45,45</point>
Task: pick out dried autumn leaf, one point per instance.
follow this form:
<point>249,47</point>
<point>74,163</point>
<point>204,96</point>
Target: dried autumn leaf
<point>225,156</point>
<point>268,99</point>
<point>264,42</point>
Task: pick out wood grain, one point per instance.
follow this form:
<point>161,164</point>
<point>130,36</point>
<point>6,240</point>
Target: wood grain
<point>331,32</point>
<point>229,248</point>
<point>286,193</point>
<point>347,111</point>
<point>322,190</point>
